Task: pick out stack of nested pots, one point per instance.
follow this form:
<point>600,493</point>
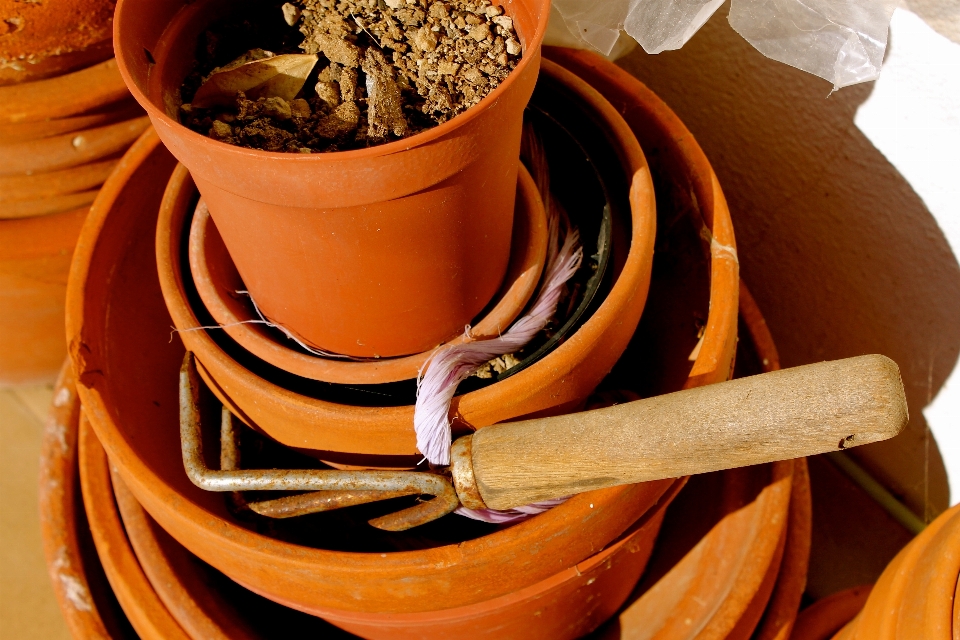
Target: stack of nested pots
<point>729,560</point>
<point>66,118</point>
<point>378,255</point>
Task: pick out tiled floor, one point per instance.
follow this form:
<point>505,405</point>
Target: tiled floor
<point>28,610</point>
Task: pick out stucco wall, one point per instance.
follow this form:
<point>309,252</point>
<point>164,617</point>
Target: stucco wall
<point>840,252</point>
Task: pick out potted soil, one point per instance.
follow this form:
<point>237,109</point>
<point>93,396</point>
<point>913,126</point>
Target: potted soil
<point>370,210</point>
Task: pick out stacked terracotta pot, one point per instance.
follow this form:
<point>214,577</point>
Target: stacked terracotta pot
<point>743,573</point>
<point>65,119</point>
<point>188,245</point>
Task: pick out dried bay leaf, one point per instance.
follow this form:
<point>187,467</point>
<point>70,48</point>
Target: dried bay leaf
<point>280,76</point>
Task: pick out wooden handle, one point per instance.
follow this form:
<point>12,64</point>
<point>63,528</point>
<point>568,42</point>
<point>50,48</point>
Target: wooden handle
<point>774,416</point>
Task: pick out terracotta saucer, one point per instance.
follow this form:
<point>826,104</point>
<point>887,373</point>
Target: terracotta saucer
<point>208,606</point>
<point>217,282</point>
<point>86,600</point>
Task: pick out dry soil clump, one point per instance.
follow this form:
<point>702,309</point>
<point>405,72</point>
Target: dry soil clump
<point>386,69</point>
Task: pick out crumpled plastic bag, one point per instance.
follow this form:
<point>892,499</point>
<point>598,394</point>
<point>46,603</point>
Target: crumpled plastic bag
<point>842,41</point>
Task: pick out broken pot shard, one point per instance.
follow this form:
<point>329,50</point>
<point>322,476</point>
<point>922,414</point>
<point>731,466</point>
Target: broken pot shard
<point>280,76</point>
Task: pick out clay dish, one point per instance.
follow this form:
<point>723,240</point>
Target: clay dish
<point>566,605</point>
<point>70,149</point>
<point>320,419</point>
<point>47,206</point>
<point>68,95</point>
<point>77,578</point>
<point>825,617</point>
<point>56,65</point>
<point>36,129</point>
<point>717,564</point>
<point>915,595</point>
<point>732,560</point>
<point>35,258</point>
<point>125,375</point>
<point>757,353</point>
<point>217,282</point>
<point>150,619</point>
<point>684,181</point>
<point>15,189</point>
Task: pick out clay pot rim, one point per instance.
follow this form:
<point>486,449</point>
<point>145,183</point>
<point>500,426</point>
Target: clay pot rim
<point>526,266</point>
<point>147,614</point>
<point>715,359</point>
<point>390,148</point>
<point>27,100</point>
<point>884,609</point>
<point>526,593</point>
<point>59,488</point>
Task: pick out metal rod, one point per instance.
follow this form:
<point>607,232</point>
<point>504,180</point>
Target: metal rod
<point>350,483</point>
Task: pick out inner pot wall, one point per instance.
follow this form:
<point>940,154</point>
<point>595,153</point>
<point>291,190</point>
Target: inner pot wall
<point>385,251</point>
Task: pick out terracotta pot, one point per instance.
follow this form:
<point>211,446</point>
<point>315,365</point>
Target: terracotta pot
<point>55,36</point>
<point>146,612</point>
<point>71,149</point>
<point>22,72</point>
<point>713,574</point>
<point>914,596</point>
<point>565,376</point>
<point>67,95</point>
<point>384,251</point>
<point>35,258</point>
<point>47,206</point>
<point>217,283</point>
<point>757,350</point>
<point>79,585</point>
<point>114,284</point>
<point>116,112</point>
<point>721,551</point>
<point>564,606</point>
<point>780,614</point>
<point>822,619</point>
<point>679,166</point>
<point>15,189</point>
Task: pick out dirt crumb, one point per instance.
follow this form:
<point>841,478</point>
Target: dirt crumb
<point>388,69</point>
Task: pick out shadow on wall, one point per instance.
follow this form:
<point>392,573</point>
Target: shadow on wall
<point>841,254</point>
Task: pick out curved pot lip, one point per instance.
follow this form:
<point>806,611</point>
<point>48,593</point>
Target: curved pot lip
<point>884,607</point>
<point>146,612</point>
<point>523,273</point>
<point>66,563</point>
<point>647,525</point>
<point>531,54</point>
<point>72,94</point>
<point>714,362</point>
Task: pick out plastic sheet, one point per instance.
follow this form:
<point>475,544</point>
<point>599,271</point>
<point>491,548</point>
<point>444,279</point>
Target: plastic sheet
<point>842,41</point>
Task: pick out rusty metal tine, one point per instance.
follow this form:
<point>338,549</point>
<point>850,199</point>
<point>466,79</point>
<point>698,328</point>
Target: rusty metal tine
<point>317,501</point>
<point>230,459</point>
<point>442,504</point>
<point>390,482</point>
<point>229,442</point>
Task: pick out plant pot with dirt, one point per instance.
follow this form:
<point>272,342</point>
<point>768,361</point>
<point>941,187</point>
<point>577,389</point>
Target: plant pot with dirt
<point>368,208</point>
